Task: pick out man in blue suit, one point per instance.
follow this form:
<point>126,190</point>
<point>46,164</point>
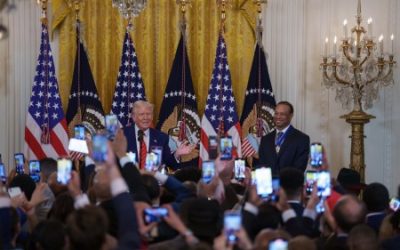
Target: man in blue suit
<point>285,146</point>
<point>140,132</point>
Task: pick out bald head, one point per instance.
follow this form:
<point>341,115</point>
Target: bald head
<point>349,212</point>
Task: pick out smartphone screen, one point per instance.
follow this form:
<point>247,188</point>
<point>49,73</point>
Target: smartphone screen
<point>226,146</point>
<point>311,178</point>
<point>324,184</point>
<point>3,175</point>
<point>208,171</point>
<point>394,204</point>
<point>151,163</point>
<point>34,170</point>
<point>232,224</point>
<point>14,191</point>
<point>239,170</point>
<point>154,214</point>
<point>64,168</point>
<point>158,151</point>
<point>278,244</point>
<point>316,155</point>
<point>111,121</point>
<point>79,132</point>
<point>274,196</point>
<point>100,148</point>
<point>264,182</point>
<point>19,163</point>
<point>212,147</point>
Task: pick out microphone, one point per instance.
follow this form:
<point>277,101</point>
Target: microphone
<point>140,135</point>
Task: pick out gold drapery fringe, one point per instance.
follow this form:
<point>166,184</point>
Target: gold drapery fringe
<point>155,37</point>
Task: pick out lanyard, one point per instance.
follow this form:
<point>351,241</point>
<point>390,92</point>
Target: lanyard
<point>280,140</point>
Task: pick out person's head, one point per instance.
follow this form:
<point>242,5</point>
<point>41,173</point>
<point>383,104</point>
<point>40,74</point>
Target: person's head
<point>268,217</point>
<point>301,242</point>
<point>350,180</point>
<point>142,114</point>
<point>349,212</point>
<point>62,207</point>
<point>26,184</point>
<point>283,114</point>
<point>188,174</point>
<point>87,228</point>
<point>376,197</point>
<point>101,185</point>
<point>152,187</point>
<point>363,237</point>
<point>47,167</point>
<point>292,181</point>
<point>49,235</point>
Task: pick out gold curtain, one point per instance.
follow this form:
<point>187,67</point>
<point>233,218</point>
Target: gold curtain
<point>155,37</point>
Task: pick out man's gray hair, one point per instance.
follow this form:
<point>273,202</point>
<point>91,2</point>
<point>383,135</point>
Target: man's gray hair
<point>142,103</point>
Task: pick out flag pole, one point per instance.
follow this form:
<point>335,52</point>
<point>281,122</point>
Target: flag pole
<point>78,54</point>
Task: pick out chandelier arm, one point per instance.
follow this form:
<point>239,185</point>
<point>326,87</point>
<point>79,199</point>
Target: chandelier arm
<point>338,79</point>
<point>346,54</point>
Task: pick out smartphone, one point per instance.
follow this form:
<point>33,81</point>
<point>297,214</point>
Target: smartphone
<point>394,204</point>
<point>274,196</point>
<point>64,168</point>
<point>232,224</point>
<point>263,182</point>
<point>316,155</point>
<point>320,208</point>
<point>111,121</point>
<point>158,151</point>
<point>151,163</point>
<point>154,214</point>
<point>225,146</point>
<point>100,150</point>
<point>3,175</point>
<point>208,171</point>
<point>14,191</point>
<point>310,178</point>
<point>278,244</point>
<point>79,132</point>
<point>19,163</point>
<point>324,184</point>
<point>34,170</point>
<point>212,147</point>
<point>239,170</point>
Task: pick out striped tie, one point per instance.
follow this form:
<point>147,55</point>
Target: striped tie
<point>143,149</point>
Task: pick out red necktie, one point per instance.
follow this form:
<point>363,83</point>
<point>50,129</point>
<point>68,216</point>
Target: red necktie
<point>143,149</point>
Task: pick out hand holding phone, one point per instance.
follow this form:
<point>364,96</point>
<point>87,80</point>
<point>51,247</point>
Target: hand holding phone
<point>111,121</point>
<point>263,182</point>
<point>324,184</point>
<point>3,175</point>
<point>79,132</point>
<point>239,170</point>
<point>311,177</point>
<point>151,163</point>
<point>154,214</point>
<point>212,147</point>
<point>100,148</point>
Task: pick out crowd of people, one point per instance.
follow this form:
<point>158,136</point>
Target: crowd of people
<point>116,204</point>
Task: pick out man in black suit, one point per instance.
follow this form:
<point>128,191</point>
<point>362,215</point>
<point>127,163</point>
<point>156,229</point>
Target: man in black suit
<point>141,132</point>
<point>285,146</point>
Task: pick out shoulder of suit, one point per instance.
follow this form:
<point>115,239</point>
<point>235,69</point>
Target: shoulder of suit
<point>296,131</point>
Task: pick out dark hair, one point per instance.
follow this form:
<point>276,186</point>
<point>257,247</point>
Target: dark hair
<point>363,237</point>
<point>291,109</point>
<point>49,235</point>
<point>26,184</point>
<point>188,174</point>
<point>268,217</point>
<point>62,207</point>
<point>349,212</point>
<point>47,167</point>
<point>87,228</point>
<point>151,185</point>
<point>376,197</point>
<point>291,180</point>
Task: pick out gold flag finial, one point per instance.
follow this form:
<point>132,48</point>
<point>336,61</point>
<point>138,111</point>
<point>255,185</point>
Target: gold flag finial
<point>183,8</point>
<point>43,5</point>
<point>223,4</point>
<point>259,27</point>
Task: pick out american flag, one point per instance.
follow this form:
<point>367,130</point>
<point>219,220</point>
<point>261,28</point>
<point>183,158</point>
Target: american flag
<point>259,104</point>
<point>129,87</point>
<point>46,128</point>
<point>220,117</point>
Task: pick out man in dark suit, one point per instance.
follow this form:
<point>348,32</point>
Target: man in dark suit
<point>141,138</point>
<point>285,146</point>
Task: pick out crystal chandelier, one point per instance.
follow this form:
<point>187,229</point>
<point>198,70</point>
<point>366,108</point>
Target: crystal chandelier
<point>360,68</point>
<point>129,8</point>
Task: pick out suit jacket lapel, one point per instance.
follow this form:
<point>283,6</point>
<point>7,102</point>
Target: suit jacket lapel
<point>286,142</point>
